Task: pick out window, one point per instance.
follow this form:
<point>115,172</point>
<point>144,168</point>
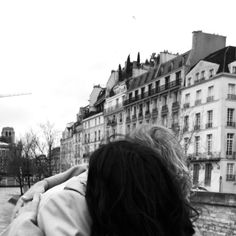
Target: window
<point>198,94</point>
<point>234,69</point>
<point>142,92</point>
<point>147,107</point>
<point>164,100</point>
<point>157,85</point>
<point>230,172</point>
<point>189,81</point>
<point>210,91</point>
<point>186,144</point>
<point>197,121</point>
<point>230,115</point>
<point>164,120</point>
<point>208,169</point>
<point>229,146</point>
<point>130,96</point>
<point>187,98</point>
<point>209,119</point>
<point>99,135</point>
<point>95,136</point>
<point>203,74</point>
<point>141,109</point>
<point>120,117</point>
<point>128,128</point>
<point>197,145</point>
<point>211,73</point>
<point>136,94</point>
<point>175,117</point>
<point>209,144</point>
<point>117,102</point>
<point>167,80</point>
<point>175,97</point>
<point>197,77</point>
<point>178,75</point>
<point>186,122</point>
<point>88,138</point>
<point>149,89</point>
<point>231,88</point>
<point>196,168</point>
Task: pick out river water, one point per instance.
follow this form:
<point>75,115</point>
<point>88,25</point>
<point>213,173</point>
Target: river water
<point>6,207</point>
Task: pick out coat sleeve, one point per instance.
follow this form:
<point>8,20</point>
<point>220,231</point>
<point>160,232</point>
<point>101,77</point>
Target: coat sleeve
<point>64,176</point>
<point>65,214</point>
<point>22,226</point>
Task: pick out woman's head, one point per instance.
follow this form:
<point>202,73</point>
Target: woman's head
<point>130,191</point>
<point>167,146</point>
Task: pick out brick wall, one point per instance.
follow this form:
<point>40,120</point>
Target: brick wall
<point>217,213</point>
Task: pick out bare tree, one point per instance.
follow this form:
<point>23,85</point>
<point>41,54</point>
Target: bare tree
<point>49,135</point>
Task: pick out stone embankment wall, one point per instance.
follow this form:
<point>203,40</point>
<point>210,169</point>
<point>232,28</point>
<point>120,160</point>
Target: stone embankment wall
<point>217,213</point>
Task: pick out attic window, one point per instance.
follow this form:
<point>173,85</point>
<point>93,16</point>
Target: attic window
<point>234,69</point>
<point>211,73</point>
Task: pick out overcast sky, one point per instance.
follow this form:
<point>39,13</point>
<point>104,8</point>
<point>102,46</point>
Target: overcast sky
<point>57,50</point>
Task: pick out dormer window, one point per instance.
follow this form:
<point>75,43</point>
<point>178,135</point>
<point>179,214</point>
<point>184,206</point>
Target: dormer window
<point>211,73</point>
<point>189,81</point>
<point>234,70</point>
<point>197,76</point>
<point>203,74</point>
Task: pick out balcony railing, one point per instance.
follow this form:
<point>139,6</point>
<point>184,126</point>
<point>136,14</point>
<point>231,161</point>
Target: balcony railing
<point>231,155</point>
<point>147,114</point>
<point>198,102</point>
<point>113,109</point>
<point>140,115</point>
<point>134,117</point>
<point>196,127</point>
<point>231,124</point>
<point>208,125</point>
<point>186,105</point>
<point>127,119</point>
<point>164,109</point>
<point>154,111</point>
<point>210,98</point>
<point>230,177</point>
<point>232,96</point>
<point>175,105</point>
<point>152,92</point>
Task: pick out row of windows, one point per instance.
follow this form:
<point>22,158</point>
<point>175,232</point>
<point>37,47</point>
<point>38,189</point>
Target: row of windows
<point>209,144</point>
<point>151,86</point>
<point>230,173</point>
<point>92,122</point>
<point>97,137</point>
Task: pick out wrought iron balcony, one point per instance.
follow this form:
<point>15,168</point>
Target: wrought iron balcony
<point>134,117</point>
<point>197,127</point>
<point>231,124</point>
<point>175,105</point>
<point>154,112</point>
<point>164,109</point>
<point>127,119</point>
<point>208,125</point>
<point>147,114</point>
<point>140,115</point>
<point>186,105</point>
<point>210,98</point>
<point>198,102</point>
<point>232,96</point>
<point>231,155</point>
<point>230,177</point>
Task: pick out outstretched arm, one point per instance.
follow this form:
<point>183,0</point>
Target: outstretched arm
<point>44,185</point>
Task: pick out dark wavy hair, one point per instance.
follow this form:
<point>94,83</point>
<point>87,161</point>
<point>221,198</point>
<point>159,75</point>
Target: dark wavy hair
<point>130,191</point>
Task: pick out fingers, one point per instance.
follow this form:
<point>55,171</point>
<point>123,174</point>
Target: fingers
<point>36,198</point>
<point>18,206</point>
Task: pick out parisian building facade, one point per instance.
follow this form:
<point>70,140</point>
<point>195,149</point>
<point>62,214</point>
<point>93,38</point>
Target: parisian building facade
<point>192,93</point>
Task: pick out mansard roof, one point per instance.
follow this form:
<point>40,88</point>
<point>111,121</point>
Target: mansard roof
<point>173,64</point>
<point>222,57</point>
<point>140,80</point>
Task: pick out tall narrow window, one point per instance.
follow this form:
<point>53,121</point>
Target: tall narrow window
<point>157,85</point>
<point>197,145</point>
<point>164,120</point>
<point>231,88</point>
<point>195,174</point>
<point>187,98</point>
<point>234,69</point>
<point>186,144</point>
<point>197,121</point>
<point>211,73</point>
<point>149,89</point>
<point>230,116</point>
<point>230,172</point>
<point>208,169</point>
<point>209,144</point>
<point>209,119</point>
<point>210,91</point>
<point>229,146</point>
<point>203,75</point>
<point>136,94</point>
<point>186,123</point>
<point>142,92</point>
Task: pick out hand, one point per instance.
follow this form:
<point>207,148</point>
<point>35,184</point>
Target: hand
<point>30,210</point>
<point>39,187</point>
